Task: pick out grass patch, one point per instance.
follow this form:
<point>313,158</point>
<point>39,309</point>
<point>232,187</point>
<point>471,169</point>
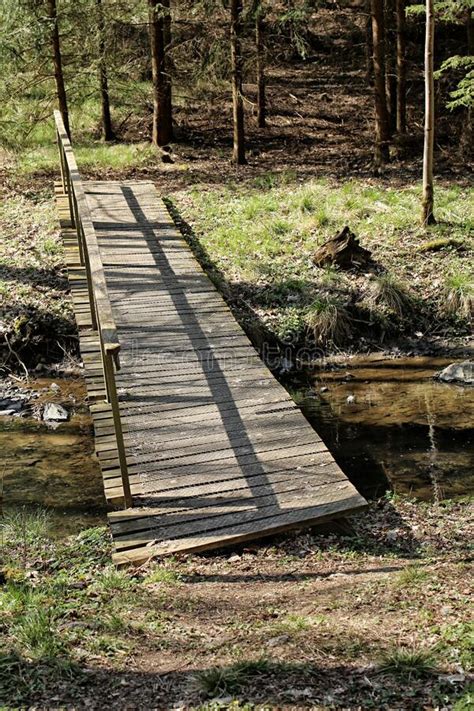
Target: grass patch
<point>229,680</point>
<point>459,289</point>
<point>113,580</point>
<point>295,623</point>
<point>25,526</point>
<point>387,291</point>
<point>36,634</point>
<point>408,663</point>
<point>328,320</point>
<point>412,575</point>
<point>163,575</point>
<point>261,238</point>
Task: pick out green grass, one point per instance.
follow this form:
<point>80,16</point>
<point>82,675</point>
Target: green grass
<point>294,623</point>
<point>230,680</point>
<point>412,576</point>
<point>261,238</point>
<point>163,575</point>
<point>36,634</point>
<point>459,290</point>
<point>25,526</point>
<point>113,580</point>
<point>390,292</point>
<point>91,156</point>
<point>328,320</point>
<point>408,663</point>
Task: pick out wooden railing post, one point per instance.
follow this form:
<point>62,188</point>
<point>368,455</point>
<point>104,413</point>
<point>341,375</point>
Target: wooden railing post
<point>112,398</point>
<point>61,162</point>
<point>69,196</point>
<point>90,287</point>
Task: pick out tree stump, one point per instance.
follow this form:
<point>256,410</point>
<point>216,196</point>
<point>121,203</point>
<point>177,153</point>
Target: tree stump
<point>342,250</point>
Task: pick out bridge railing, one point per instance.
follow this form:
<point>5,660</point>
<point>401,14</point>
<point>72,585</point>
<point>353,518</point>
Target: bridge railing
<point>100,307</point>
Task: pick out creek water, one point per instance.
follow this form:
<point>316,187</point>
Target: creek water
<point>51,467</point>
<point>387,422</point>
<point>391,426</point>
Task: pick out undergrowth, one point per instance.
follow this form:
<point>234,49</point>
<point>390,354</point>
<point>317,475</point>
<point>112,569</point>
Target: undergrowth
<point>261,240</point>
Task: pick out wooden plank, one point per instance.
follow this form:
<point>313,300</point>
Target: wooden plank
<point>165,480</point>
<point>215,464</point>
<point>325,472</point>
<point>223,446</point>
<point>240,496</point>
<point>265,526</point>
<point>178,524</point>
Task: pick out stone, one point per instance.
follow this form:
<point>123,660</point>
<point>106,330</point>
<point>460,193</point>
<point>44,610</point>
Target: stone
<point>55,388</point>
<point>462,373</point>
<point>54,413</point>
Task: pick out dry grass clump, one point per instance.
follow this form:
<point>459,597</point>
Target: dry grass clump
<point>387,291</point>
<point>328,320</point>
<point>459,289</point>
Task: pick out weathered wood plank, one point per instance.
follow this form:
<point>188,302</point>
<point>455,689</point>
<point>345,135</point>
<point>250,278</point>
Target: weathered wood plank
<point>217,450</point>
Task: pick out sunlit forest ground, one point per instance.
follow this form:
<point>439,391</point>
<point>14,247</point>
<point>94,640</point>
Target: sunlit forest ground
<point>257,227</point>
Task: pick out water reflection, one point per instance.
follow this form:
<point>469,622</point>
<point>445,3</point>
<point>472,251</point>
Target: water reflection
<point>390,425</point>
<point>53,468</point>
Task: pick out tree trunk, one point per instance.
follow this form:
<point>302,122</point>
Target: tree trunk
<point>107,130</point>
<point>58,65</point>
<point>237,101</point>
<point>401,68</point>
<point>382,132</point>
<point>162,114</point>
<point>427,215</point>
<point>467,137</point>
<point>168,91</point>
<point>391,64</point>
<point>368,45</point>
<point>261,98</point>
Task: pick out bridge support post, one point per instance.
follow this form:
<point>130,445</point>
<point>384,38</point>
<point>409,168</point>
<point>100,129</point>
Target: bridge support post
<point>112,399</point>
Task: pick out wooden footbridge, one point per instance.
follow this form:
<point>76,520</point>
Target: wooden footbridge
<point>197,441</point>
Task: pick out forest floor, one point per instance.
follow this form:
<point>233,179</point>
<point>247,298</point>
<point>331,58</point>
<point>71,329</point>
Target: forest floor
<point>371,619</point>
<point>256,227</point>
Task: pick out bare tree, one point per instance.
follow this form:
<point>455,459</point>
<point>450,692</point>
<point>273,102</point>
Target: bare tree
<point>401,67</point>
<point>369,65</point>
<point>382,130</point>
<point>427,212</point>
<point>58,64</point>
<point>259,43</point>
<point>391,64</point>
<point>237,100</point>
<point>107,130</point>
<point>467,137</point>
<point>162,132</point>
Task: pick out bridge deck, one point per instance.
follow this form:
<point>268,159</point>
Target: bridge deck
<point>217,450</point>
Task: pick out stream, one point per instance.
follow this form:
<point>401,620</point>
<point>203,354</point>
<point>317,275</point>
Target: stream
<point>53,465</point>
<point>389,425</point>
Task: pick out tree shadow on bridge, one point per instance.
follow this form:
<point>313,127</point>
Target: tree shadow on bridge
<point>218,385</point>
